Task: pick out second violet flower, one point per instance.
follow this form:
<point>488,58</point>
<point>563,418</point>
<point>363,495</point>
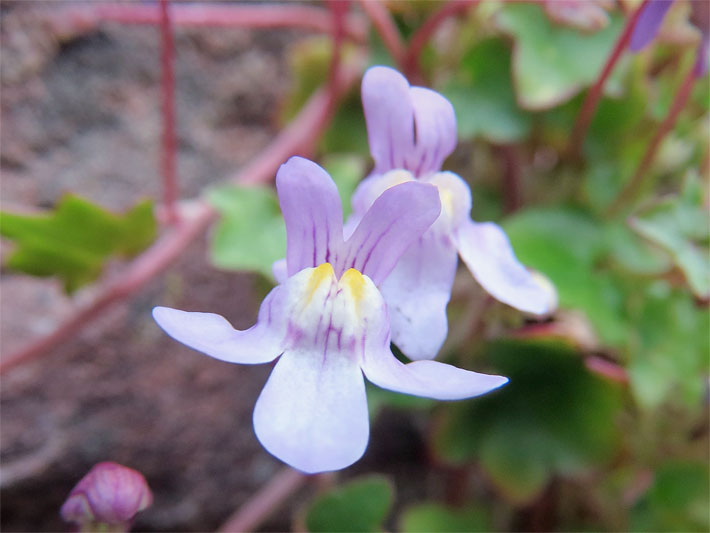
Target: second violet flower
<point>411,131</point>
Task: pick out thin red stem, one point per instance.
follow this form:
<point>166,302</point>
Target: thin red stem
<point>167,85</point>
<point>512,177</point>
<point>338,10</point>
<point>606,369</point>
<point>381,19</point>
<point>298,137</point>
<point>594,94</point>
<point>632,187</point>
<point>421,37</point>
<point>265,502</point>
<point>216,15</point>
<point>143,269</point>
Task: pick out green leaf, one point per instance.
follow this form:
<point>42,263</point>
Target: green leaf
<point>308,61</point>
<point>378,398</point>
<point>630,252</point>
<point>677,500</point>
<point>360,505</point>
<point>483,97</point>
<point>681,226</point>
<point>670,361</point>
<point>565,245</point>
<point>250,234</point>
<point>76,239</point>
<point>437,518</point>
<point>348,131</point>
<point>554,417</point>
<point>552,63</point>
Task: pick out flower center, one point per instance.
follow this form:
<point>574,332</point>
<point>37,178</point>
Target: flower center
<point>332,312</point>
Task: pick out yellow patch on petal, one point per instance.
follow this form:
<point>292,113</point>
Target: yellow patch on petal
<point>320,274</point>
<point>447,201</point>
<point>355,283</point>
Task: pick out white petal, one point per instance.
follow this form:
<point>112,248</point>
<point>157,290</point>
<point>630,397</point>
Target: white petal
<point>417,293</point>
<point>430,379</point>
<point>312,413</point>
<point>485,249</point>
<point>280,270</point>
<point>213,335</point>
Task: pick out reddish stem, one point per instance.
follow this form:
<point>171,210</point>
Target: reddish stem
<point>338,10</point>
<point>143,269</point>
<point>421,37</point>
<point>594,94</point>
<point>381,19</point>
<point>215,15</point>
<point>606,369</point>
<point>298,137</point>
<point>512,177</point>
<point>632,186</point>
<point>167,85</point>
<point>265,502</point>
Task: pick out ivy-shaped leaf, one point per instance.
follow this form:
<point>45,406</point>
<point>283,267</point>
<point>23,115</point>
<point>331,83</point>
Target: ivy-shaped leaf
<point>361,505</point>
<point>553,417</point>
<point>681,226</point>
<point>482,95</point>
<point>566,245</point>
<point>250,234</point>
<point>552,63</point>
<point>75,240</point>
<point>670,361</point>
<point>677,500</point>
<point>436,518</point>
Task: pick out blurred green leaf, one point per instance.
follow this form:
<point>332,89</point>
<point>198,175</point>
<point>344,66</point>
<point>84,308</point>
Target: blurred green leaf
<point>631,253</point>
<point>482,95</point>
<point>308,60</point>
<point>554,417</point>
<point>347,132</point>
<point>437,518</point>
<point>552,63</point>
<point>565,245</point>
<point>670,359</point>
<point>677,501</point>
<point>378,398</point>
<point>681,226</point>
<point>250,234</point>
<point>360,505</point>
<point>74,242</point>
<point>617,138</point>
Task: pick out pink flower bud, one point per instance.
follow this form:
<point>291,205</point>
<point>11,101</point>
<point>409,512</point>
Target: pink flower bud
<point>109,494</point>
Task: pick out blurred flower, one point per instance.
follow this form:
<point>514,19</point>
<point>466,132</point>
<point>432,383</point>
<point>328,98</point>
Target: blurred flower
<point>107,498</point>
<point>328,323</point>
<point>649,23</point>
<point>411,131</point>
<point>586,15</point>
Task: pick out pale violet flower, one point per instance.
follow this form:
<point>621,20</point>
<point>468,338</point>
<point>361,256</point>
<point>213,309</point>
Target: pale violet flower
<point>327,323</point>
<point>411,131</point>
<point>651,18</point>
